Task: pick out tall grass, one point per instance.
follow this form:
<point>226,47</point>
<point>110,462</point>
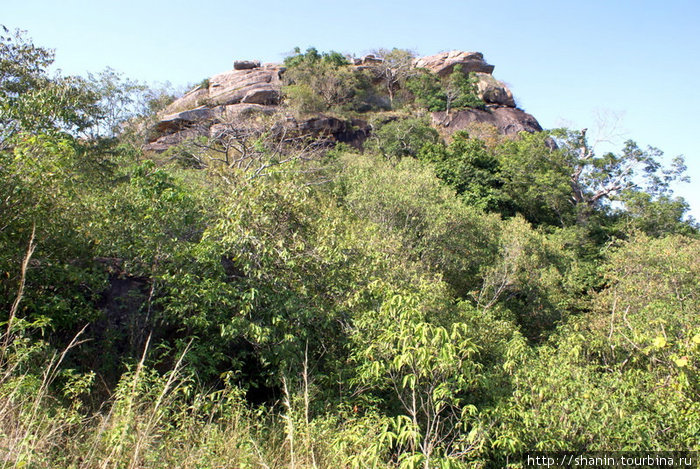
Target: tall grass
<point>162,420</point>
<point>158,420</point>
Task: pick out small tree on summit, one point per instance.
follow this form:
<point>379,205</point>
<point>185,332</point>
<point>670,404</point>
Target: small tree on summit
<point>395,68</point>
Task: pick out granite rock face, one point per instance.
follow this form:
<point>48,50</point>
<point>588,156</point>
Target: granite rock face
<point>444,63</point>
<point>257,86</point>
<point>251,93</point>
<point>508,121</point>
<point>175,122</point>
<point>233,95</point>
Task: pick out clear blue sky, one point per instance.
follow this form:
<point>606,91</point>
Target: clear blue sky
<point>564,60</point>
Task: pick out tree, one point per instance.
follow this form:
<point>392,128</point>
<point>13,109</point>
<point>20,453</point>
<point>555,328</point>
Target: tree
<point>624,375</point>
<point>120,99</point>
<point>471,169</point>
<point>556,178</point>
<point>316,82</point>
<point>394,69</point>
<point>536,178</point>
<point>597,180</point>
<point>456,91</point>
<point>427,90</point>
<point>407,200</point>
<point>460,91</point>
<point>32,101</point>
<point>655,216</point>
<point>402,137</point>
<point>429,368</point>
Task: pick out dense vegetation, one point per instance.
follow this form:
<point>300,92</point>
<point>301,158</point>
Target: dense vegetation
<point>425,303</point>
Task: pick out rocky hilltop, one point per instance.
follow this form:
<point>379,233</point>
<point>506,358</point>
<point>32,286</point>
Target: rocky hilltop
<point>240,96</point>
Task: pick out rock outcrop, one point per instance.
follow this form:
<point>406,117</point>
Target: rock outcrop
<point>250,91</point>
<point>490,90</point>
<point>493,91</point>
<point>444,63</point>
<point>247,90</point>
<point>255,85</point>
<point>508,121</point>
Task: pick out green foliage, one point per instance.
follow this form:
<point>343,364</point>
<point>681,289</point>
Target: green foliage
<point>626,375</point>
<point>431,369</point>
<point>402,137</point>
<point>562,403</point>
<point>461,91</point>
<point>146,218</point>
<point>422,305</point>
<point>317,82</point>
<point>427,90</point>
<point>651,302</point>
<point>32,101</point>
<point>42,184</point>
<point>528,278</point>
<point>312,57</point>
<point>119,100</point>
<point>395,68</point>
<point>655,216</point>
<point>304,99</point>
<point>536,177</point>
<point>456,91</point>
<point>435,228</point>
<point>157,99</point>
<point>471,169</point>
<point>566,183</point>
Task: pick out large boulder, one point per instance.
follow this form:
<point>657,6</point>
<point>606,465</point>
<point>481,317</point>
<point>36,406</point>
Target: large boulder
<point>207,102</point>
<point>161,143</point>
<point>242,111</point>
<point>262,95</point>
<point>190,100</point>
<point>258,85</point>
<point>444,63</point>
<point>354,132</point>
<point>180,120</point>
<point>507,120</point>
<point>233,86</point>
<point>493,91</point>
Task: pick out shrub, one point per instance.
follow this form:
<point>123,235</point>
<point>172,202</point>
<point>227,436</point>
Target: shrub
<point>402,137</point>
<point>302,99</point>
<point>457,91</point>
<point>326,82</point>
<point>427,91</point>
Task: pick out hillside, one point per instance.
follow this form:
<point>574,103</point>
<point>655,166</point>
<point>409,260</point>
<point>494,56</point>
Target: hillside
<point>334,262</point>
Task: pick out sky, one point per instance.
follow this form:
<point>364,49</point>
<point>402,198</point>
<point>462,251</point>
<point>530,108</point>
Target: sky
<point>568,63</point>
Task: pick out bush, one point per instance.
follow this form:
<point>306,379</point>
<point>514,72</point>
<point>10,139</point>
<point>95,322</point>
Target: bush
<point>402,137</point>
<point>471,169</point>
<point>317,82</point>
<point>427,91</point>
<point>302,99</point>
<point>457,91</point>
